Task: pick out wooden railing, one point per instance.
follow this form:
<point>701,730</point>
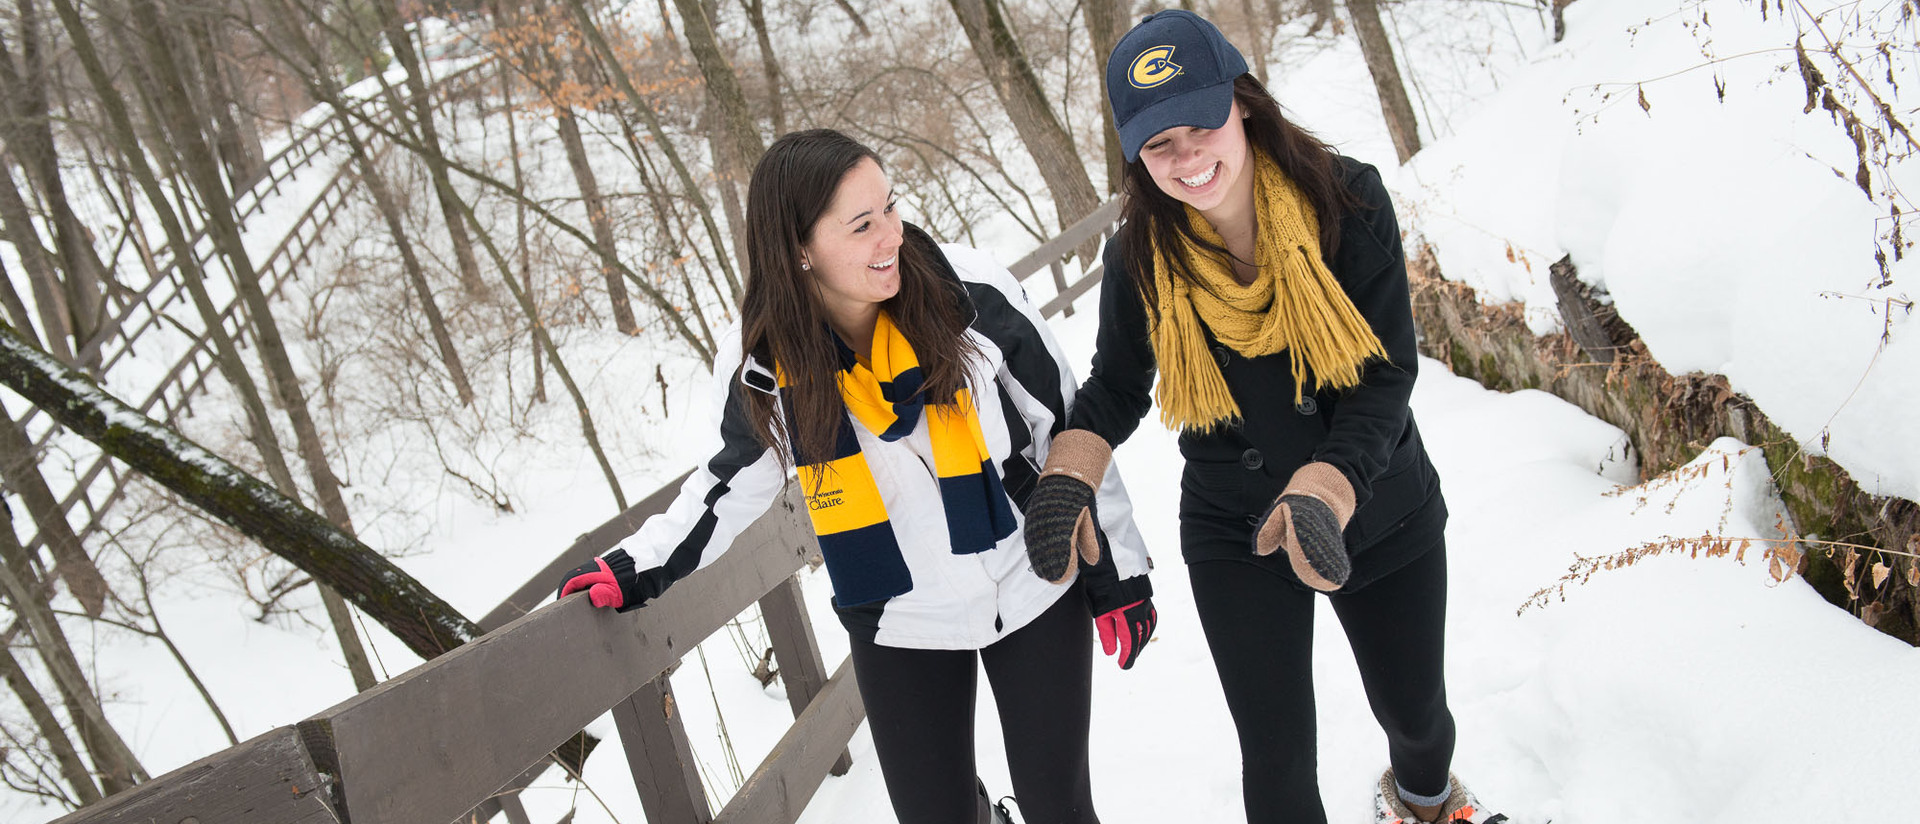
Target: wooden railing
<point>458,736</point>
<point>1052,254</point>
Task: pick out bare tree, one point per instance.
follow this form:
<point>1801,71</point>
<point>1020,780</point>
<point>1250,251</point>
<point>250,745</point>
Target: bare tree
<point>735,116</point>
<point>66,754</point>
<point>1019,92</point>
<point>20,469</point>
<point>118,767</point>
<point>204,174</point>
<point>1106,22</point>
<point>559,365</point>
<point>48,296</point>
<point>1395,105</point>
<point>643,106</point>
<point>1323,14</point>
<point>311,63</point>
<point>435,155</point>
<point>28,131</point>
<point>17,312</point>
<point>769,64</point>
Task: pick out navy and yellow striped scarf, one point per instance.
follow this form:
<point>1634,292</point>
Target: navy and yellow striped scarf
<point>846,507</point>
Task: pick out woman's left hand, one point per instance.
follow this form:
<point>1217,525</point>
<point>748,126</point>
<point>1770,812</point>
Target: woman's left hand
<point>1124,631</point>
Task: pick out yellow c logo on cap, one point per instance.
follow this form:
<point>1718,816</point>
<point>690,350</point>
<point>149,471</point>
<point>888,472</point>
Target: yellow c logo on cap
<point>1153,67</point>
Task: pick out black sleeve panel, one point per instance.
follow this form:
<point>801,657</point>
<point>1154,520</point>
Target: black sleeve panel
<point>1119,391</point>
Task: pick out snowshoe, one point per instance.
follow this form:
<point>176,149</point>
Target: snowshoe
<point>1460,805</point>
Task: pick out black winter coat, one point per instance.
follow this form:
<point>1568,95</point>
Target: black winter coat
<point>1367,432</point>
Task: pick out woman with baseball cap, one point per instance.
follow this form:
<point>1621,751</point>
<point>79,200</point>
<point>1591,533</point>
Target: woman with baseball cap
<point>1261,274</point>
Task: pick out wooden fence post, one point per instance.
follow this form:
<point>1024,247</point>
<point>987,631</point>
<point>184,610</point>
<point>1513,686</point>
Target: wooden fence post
<point>664,770</point>
<point>797,652</point>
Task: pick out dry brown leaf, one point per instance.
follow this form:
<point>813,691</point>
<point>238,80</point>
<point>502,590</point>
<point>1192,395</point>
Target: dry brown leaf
<point>1870,614</point>
<point>1880,572</point>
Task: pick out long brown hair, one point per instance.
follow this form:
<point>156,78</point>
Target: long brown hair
<point>1152,218</point>
<point>783,319</point>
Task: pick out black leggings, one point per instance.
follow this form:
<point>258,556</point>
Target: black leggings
<point>1260,629</point>
<point>920,710</point>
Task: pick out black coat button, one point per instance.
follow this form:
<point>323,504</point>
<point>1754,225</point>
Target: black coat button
<point>1307,406</point>
<point>1220,356</point>
<point>1252,459</point>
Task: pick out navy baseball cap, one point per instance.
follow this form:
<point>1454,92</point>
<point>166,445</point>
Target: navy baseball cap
<point>1174,69</point>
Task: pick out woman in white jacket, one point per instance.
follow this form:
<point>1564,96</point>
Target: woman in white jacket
<point>915,391</point>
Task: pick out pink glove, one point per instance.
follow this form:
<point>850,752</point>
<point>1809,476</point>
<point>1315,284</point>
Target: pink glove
<point>609,581</point>
<point>1126,630</point>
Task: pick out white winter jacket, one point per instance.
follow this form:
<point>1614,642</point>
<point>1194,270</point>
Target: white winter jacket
<point>957,601</point>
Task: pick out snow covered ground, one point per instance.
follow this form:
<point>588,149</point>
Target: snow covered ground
<point>1680,689</point>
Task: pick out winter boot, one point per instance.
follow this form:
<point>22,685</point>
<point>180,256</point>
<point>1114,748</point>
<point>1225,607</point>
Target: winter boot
<point>1460,805</point>
<point>994,813</point>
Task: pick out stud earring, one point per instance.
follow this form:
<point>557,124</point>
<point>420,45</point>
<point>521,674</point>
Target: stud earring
<point>805,266</point>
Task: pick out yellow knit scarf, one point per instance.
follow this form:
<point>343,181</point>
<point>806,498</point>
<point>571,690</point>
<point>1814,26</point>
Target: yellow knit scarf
<point>1294,304</point>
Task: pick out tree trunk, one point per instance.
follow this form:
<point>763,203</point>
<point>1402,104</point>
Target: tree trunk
<point>1667,417</point>
<point>769,64</point>
<point>119,767</point>
<point>1323,13</point>
<point>20,469</point>
<point>858,23</point>
<point>272,349</point>
<point>390,211</point>
<point>727,175</point>
<point>521,247</point>
<point>242,168</point>
<point>48,297</point>
<point>667,220</point>
<point>29,136</point>
<point>1261,32</point>
<point>598,217</point>
<point>420,619</point>
<point>73,769</point>
<point>1395,106</point>
<point>1106,22</point>
<point>435,156</point>
<point>736,116</point>
<point>17,312</point>
<point>227,356</point>
<point>1020,94</point>
<point>644,107</point>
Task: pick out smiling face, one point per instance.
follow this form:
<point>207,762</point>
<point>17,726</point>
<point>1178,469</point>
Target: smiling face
<point>1208,169</point>
<point>854,249</point>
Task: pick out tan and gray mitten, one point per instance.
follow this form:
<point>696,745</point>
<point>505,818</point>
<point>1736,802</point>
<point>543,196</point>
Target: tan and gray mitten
<point>1061,528</point>
<point>1309,521</point>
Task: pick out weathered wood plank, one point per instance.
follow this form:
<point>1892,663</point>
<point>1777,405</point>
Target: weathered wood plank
<point>540,588</point>
<point>264,780</point>
<point>779,789</point>
<point>660,756</point>
<point>796,651</point>
<point>1088,227</point>
<point>424,746</point>
<point>1073,292</point>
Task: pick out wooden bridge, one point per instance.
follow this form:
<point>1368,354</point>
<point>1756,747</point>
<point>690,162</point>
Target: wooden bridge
<point>456,738</point>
